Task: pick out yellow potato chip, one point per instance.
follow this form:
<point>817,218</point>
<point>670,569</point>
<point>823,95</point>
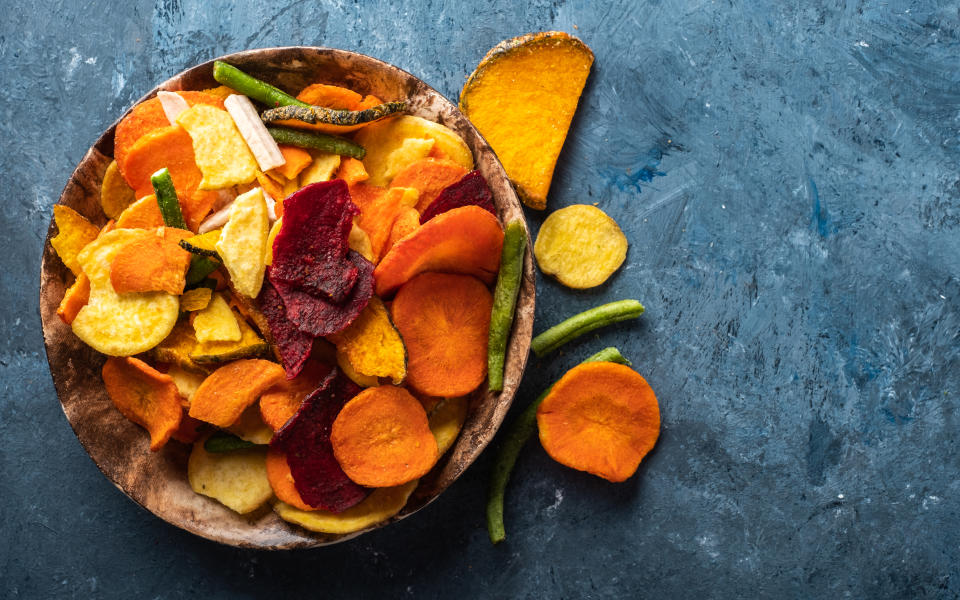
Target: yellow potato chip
<point>379,506</point>
<point>220,151</point>
<point>120,324</point>
<point>243,242</point>
<point>321,169</point>
<point>195,299</point>
<point>409,152</point>
<point>446,421</point>
<point>216,322</point>
<point>115,193</point>
<point>359,242</point>
<point>187,382</point>
<point>580,245</point>
<point>73,233</point>
<point>250,426</point>
<point>382,138</point>
<point>274,230</point>
<point>372,345</point>
<point>223,92</point>
<point>237,479</point>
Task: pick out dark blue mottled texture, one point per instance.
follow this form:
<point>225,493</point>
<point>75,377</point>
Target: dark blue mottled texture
<point>787,175</point>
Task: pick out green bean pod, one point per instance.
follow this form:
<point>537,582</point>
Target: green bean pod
<point>318,141</point>
<point>200,267</point>
<point>222,441</point>
<point>585,322</point>
<point>505,300</point>
<point>260,91</point>
<point>167,199</point>
<point>516,437</point>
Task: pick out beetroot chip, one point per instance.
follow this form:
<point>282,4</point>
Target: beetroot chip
<point>305,440</point>
<point>315,315</point>
<point>472,189</point>
<point>293,344</point>
<point>311,247</point>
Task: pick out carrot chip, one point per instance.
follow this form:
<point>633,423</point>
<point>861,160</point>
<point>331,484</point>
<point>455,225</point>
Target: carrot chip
<point>145,396</point>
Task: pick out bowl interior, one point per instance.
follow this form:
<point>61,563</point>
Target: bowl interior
<point>157,480</point>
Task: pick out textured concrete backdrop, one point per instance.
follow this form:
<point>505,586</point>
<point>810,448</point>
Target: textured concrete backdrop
<point>787,175</point>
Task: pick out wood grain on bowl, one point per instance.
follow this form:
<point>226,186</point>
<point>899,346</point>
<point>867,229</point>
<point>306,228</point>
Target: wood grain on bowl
<point>158,480</point>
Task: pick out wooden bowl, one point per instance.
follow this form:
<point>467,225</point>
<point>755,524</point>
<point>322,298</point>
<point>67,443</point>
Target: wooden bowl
<point>158,480</point>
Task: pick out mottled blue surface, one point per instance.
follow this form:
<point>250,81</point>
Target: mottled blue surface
<point>787,175</point>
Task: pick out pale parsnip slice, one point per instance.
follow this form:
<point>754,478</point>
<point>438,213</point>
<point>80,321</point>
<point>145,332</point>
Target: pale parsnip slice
<point>237,479</point>
<point>243,242</point>
<point>254,132</point>
<point>173,104</point>
<point>216,322</point>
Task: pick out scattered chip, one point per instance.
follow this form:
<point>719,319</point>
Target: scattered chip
<point>115,193</point>
<point>359,242</point>
<point>74,232</point>
<point>75,298</point>
<point>236,479</point>
<point>221,152</point>
<point>154,262</point>
<point>142,214</point>
<point>360,379</point>
<point>379,506</point>
<point>282,401</point>
<point>243,242</point>
<point>187,382</point>
<point>229,390</point>
<point>580,245</point>
<point>408,152</point>
<point>446,421</point>
<point>471,190</point>
<point>372,345</point>
<point>216,322</point>
<point>251,428</point>
<point>195,299</point>
<point>144,395</point>
<point>429,176</point>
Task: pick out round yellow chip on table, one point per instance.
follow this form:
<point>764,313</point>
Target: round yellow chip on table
<point>580,245</point>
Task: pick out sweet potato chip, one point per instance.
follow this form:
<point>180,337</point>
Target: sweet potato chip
<point>382,438</point>
<point>444,320</point>
<point>142,214</point>
<point>216,322</point>
<point>580,245</point>
<point>322,168</point>
<point>169,147</point>
<point>154,262</point>
<point>282,401</point>
<point>251,428</point>
<point>602,418</point>
<point>115,324</point>
<point>297,160</point>
<point>74,232</point>
<point>446,421</point>
<point>229,390</point>
<point>311,248</point>
<point>522,98</point>
<point>378,214</point>
<point>182,348</point>
<point>292,345</point>
<point>305,440</point>
<point>273,188</point>
<point>382,138</point>
<point>372,345</point>
<point>236,479</point>
<point>75,298</point>
<point>464,240</point>
<point>407,221</point>
<point>243,242</point>
<point>471,190</point>
<point>145,396</point>
<point>281,480</point>
<point>352,171</point>
<point>429,176</point>
<point>379,506</point>
<point>363,381</point>
<point>359,242</point>
<point>189,430</point>
<point>115,193</point>
<point>221,152</point>
<point>187,382</point>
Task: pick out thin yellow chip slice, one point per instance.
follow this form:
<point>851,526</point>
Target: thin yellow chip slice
<point>187,382</point>
<point>243,242</point>
<point>216,322</point>
<point>220,151</point>
<point>73,233</point>
<point>321,169</point>
<point>115,193</point>
<point>379,506</point>
<point>446,420</point>
<point>382,138</point>
<point>580,245</point>
<point>274,230</point>
<point>237,479</point>
<point>195,299</point>
<point>372,345</point>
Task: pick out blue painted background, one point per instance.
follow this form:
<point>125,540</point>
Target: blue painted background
<point>787,175</point>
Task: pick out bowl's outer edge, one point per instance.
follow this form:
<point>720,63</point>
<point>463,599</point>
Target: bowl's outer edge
<point>157,481</point>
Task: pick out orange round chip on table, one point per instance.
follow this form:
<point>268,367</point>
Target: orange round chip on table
<point>602,418</point>
<point>228,391</point>
<point>382,438</point>
<point>444,320</point>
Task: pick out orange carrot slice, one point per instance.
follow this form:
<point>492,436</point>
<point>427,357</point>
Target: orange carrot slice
<point>602,418</point>
<point>297,160</point>
<point>464,240</point>
<point>444,321</point>
<point>378,214</point>
<point>352,171</point>
<point>228,391</point>
<point>154,263</point>
<point>146,117</point>
<point>142,214</point>
<point>281,401</point>
<point>145,396</point>
<point>429,176</point>
<point>406,223</point>
<point>281,480</point>
<point>382,438</point>
<point>75,298</point>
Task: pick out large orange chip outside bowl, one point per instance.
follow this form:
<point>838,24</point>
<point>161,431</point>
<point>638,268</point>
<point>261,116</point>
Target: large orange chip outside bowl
<point>228,391</point>
<point>145,396</point>
<point>464,240</point>
<point>444,321</point>
<point>382,438</point>
<point>602,418</point>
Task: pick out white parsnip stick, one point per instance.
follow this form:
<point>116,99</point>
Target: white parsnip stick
<point>261,143</point>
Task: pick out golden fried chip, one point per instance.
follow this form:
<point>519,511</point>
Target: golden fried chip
<point>379,506</point>
<point>115,193</point>
<point>321,169</point>
<point>216,322</point>
<point>274,230</point>
<point>195,299</point>
<point>250,426</point>
<point>237,479</point>
<point>372,345</point>
<point>219,149</point>
<point>73,233</point>
<point>243,242</point>
<point>580,245</point>
<point>446,420</point>
<point>186,381</point>
<point>382,138</point>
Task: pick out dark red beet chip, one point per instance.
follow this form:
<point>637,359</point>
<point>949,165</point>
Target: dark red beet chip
<point>305,440</point>
<point>293,344</point>
<point>314,315</point>
<point>310,249</point>
<point>472,189</point>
